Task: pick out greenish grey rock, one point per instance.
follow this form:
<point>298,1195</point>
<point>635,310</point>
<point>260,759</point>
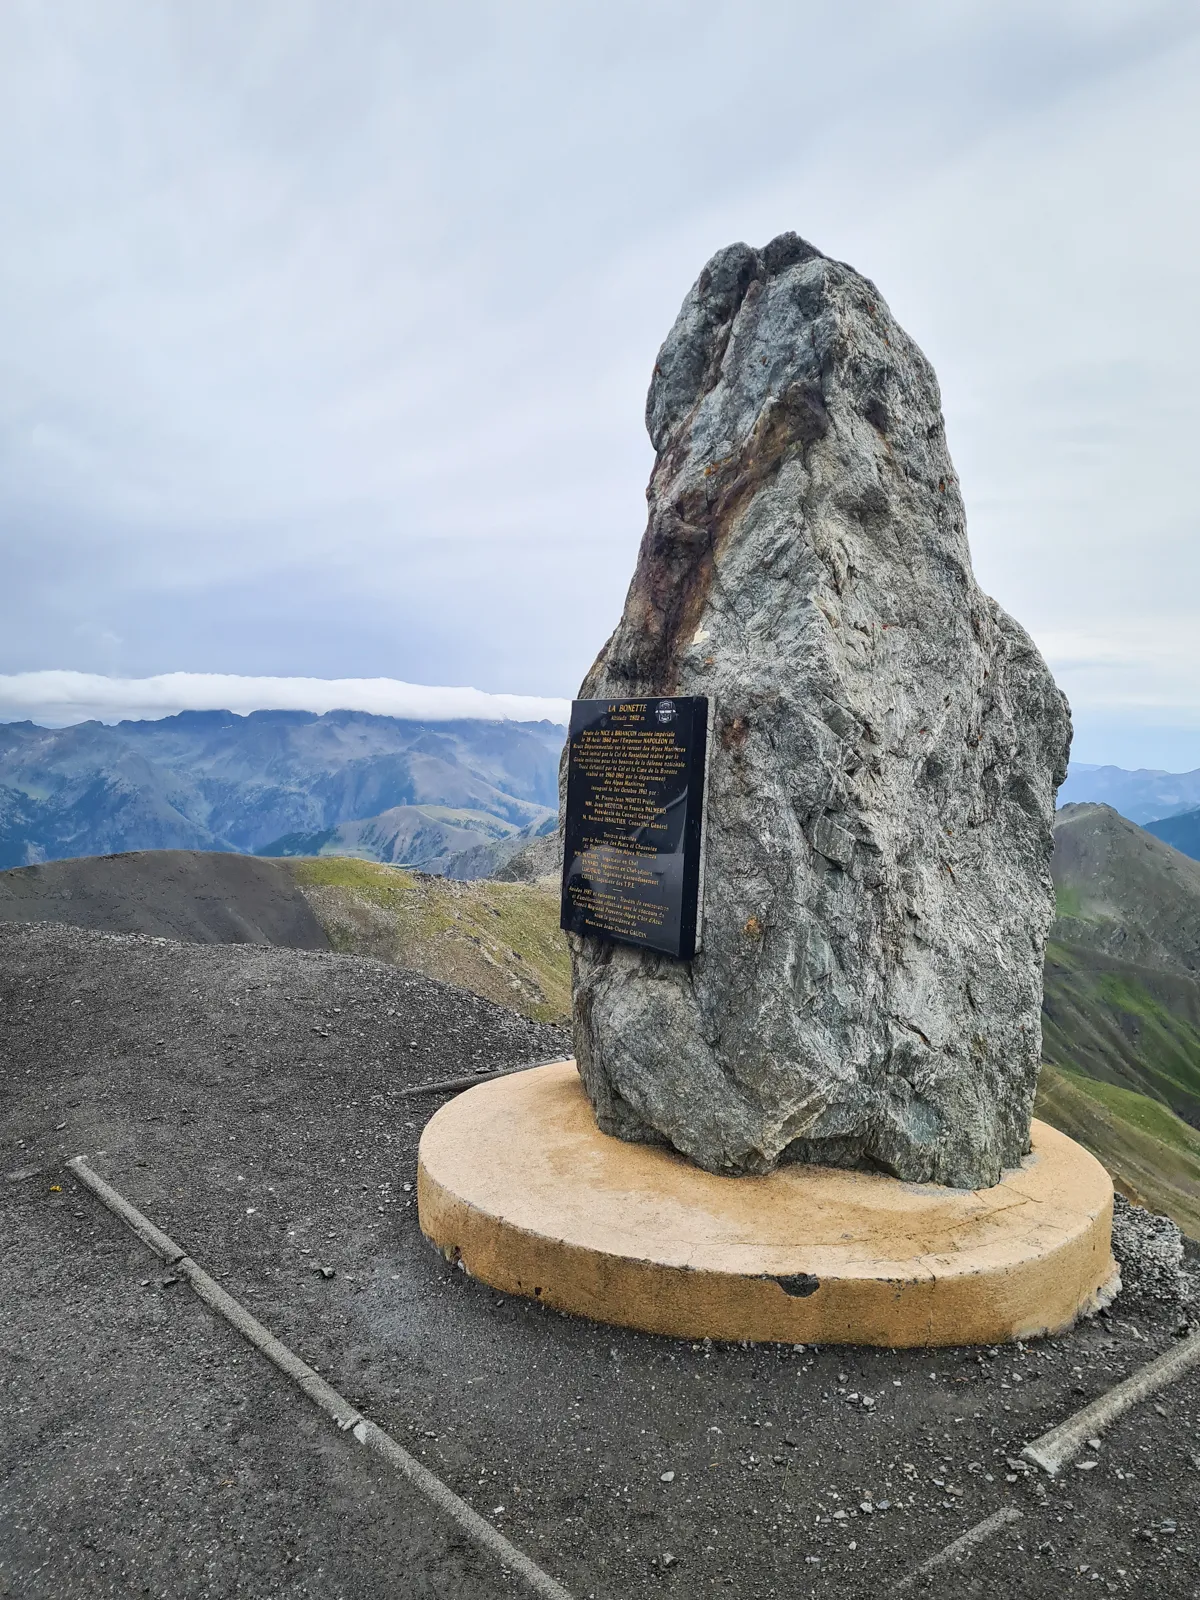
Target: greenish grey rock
<point>887,747</point>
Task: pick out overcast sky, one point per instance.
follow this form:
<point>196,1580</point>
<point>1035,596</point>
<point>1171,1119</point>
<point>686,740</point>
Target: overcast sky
<point>325,330</point>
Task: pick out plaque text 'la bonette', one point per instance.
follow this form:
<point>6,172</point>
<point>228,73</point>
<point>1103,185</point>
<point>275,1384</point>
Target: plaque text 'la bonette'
<point>634,822</point>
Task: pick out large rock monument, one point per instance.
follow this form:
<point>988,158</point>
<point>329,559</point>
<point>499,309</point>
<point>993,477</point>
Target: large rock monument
<point>831,978</point>
<point>886,747</point>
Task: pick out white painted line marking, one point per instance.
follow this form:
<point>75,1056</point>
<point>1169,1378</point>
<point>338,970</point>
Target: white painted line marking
<point>321,1393</point>
<point>966,1541</point>
<point>1056,1449</point>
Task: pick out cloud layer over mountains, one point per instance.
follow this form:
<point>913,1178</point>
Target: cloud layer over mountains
<point>56,698</point>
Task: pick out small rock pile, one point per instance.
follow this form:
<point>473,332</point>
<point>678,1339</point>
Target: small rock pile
<point>1149,1252</point>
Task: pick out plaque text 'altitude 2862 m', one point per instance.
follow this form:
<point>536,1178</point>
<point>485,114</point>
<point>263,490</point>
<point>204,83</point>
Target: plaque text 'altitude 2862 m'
<point>632,864</point>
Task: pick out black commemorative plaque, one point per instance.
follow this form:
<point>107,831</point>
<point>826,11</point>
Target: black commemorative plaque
<point>632,863</point>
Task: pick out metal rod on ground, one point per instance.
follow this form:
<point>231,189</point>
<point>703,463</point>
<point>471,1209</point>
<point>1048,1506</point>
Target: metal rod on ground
<point>451,1085</point>
<point>1054,1450</point>
<point>322,1394</point>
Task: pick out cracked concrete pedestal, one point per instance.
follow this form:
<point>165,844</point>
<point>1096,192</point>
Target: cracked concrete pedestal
<point>516,1181</point>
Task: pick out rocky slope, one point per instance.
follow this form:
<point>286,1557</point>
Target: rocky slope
<point>205,897</point>
<point>1121,1037</point>
<point>251,1102</point>
<point>499,940</point>
<point>538,861</point>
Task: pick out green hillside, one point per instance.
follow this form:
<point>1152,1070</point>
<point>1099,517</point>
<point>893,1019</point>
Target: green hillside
<point>1130,1026</point>
<point>1125,894</point>
<point>1153,1157</point>
<point>1122,998</point>
<point>1121,1015</point>
<point>500,940</point>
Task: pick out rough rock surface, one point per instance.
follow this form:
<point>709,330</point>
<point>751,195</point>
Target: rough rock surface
<point>887,747</point>
<point>540,859</point>
<point>1149,1251</point>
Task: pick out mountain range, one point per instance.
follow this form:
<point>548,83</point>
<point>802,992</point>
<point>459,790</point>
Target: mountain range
<point>1166,804</point>
<point>476,800</point>
<point>276,783</point>
<point>1181,831</point>
<point>1144,796</point>
<point>455,798</point>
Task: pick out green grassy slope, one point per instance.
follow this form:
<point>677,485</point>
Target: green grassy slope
<point>1121,1014</point>
<point>1131,1026</point>
<point>500,940</point>
<point>1153,1157</point>
<point>1122,998</point>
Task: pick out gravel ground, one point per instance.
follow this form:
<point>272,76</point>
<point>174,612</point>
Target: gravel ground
<point>207,897</point>
<point>245,1099</point>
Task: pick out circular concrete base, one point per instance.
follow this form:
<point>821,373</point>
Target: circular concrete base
<point>517,1182</point>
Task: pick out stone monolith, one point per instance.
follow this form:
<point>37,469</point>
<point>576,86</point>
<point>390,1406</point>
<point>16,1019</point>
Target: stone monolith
<point>887,745</point>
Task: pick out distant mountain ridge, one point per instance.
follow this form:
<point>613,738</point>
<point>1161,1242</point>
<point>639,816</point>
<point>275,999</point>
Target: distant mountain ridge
<point>1181,832</point>
<point>456,798</point>
<point>214,780</point>
<point>1143,796</point>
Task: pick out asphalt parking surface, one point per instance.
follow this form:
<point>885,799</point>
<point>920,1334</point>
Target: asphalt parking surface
<point>245,1098</point>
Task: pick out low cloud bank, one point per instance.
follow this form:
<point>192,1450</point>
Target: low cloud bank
<point>56,699</point>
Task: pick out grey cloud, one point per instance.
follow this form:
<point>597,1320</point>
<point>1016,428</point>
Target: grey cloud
<point>324,336</point>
